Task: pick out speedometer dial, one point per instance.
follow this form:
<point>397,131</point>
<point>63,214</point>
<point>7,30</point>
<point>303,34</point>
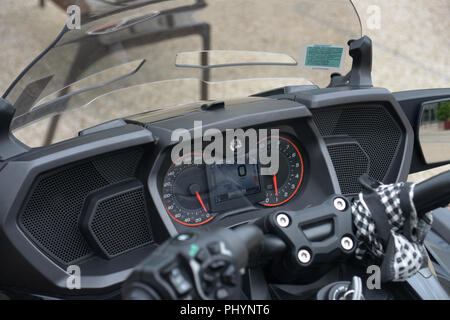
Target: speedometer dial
<point>282,186</point>
<point>186,195</point>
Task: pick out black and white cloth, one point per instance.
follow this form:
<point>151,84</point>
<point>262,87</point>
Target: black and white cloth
<point>389,230</point>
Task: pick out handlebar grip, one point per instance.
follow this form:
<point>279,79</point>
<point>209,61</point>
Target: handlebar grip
<point>249,235</point>
<point>432,193</point>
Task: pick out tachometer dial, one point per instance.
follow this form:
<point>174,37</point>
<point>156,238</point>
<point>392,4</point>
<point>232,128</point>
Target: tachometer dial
<point>282,186</point>
<point>186,194</point>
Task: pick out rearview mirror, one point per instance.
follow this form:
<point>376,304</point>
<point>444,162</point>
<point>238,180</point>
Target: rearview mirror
<point>434,130</point>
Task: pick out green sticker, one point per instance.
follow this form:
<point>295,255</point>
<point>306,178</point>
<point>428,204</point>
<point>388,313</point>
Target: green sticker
<point>323,56</point>
<point>194,249</point>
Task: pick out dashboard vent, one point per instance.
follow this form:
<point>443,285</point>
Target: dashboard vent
<point>53,207</point>
<point>373,127</point>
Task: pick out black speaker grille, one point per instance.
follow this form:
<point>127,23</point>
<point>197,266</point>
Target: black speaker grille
<point>350,162</point>
<point>123,165</point>
<point>371,125</point>
<point>50,215</point>
<point>121,223</point>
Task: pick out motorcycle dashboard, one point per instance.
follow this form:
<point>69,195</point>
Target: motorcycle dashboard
<point>130,161</point>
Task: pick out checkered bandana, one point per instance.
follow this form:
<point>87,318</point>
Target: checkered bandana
<point>389,230</point>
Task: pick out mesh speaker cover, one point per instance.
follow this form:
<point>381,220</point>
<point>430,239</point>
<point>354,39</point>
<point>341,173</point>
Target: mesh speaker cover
<point>372,126</point>
<point>350,162</point>
<point>50,215</point>
<point>115,219</point>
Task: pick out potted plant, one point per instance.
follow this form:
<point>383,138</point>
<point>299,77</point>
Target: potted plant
<point>443,114</point>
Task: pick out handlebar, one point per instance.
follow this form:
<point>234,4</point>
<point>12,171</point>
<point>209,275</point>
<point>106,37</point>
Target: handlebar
<point>432,193</point>
<point>251,237</point>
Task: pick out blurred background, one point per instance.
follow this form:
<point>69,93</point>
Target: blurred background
<point>411,48</point>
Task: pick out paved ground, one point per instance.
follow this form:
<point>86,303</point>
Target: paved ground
<point>411,47</point>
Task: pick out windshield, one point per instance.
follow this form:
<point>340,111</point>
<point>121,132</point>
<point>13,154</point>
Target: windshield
<point>134,56</point>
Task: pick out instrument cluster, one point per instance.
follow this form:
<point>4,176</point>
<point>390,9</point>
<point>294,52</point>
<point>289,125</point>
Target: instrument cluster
<point>195,193</point>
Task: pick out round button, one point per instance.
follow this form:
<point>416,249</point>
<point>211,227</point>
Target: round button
<point>184,237</point>
<point>222,293</point>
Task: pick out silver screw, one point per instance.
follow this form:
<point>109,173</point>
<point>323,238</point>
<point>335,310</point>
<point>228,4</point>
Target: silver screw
<point>347,243</point>
<point>340,204</point>
<point>283,220</point>
<point>304,256</point>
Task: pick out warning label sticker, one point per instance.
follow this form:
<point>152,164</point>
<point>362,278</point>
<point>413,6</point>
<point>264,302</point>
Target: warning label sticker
<point>324,56</point>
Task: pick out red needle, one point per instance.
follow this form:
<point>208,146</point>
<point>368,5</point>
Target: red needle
<point>200,200</point>
<point>275,183</point>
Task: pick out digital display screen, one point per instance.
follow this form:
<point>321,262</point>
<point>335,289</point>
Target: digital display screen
<point>231,181</point>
